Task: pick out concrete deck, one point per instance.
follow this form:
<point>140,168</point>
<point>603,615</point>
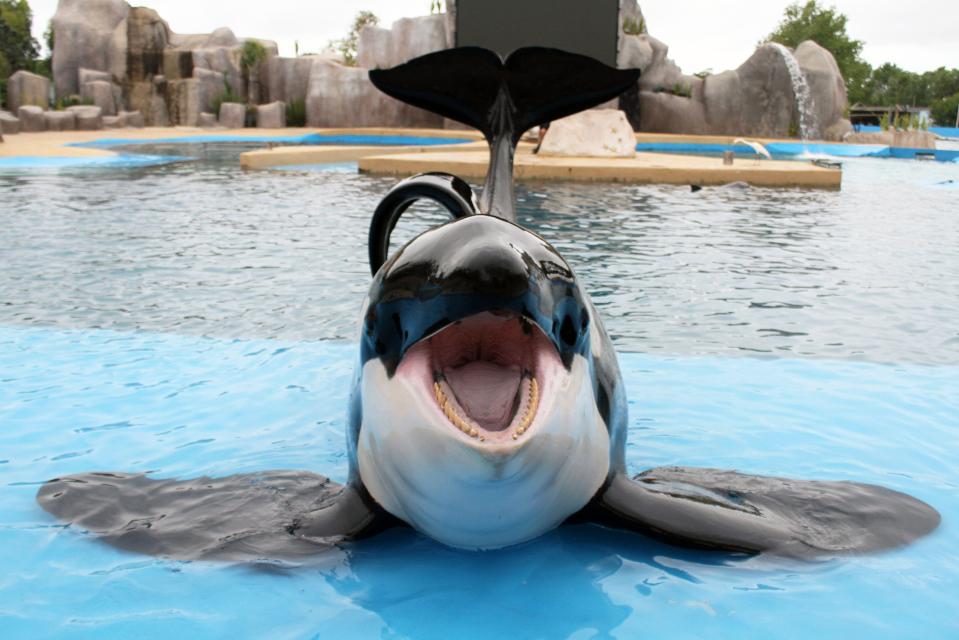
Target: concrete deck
<point>57,143</point>
<point>645,168</point>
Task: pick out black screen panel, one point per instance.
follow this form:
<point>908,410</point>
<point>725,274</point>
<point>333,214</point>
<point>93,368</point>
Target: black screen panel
<point>589,27</point>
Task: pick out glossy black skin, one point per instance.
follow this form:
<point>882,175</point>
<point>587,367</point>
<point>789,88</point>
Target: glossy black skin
<point>483,263</point>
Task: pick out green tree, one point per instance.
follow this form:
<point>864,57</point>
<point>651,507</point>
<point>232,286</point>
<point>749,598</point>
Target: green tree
<point>18,49</point>
<point>347,45</point>
<point>827,28</point>
<point>251,55</point>
<point>944,111</point>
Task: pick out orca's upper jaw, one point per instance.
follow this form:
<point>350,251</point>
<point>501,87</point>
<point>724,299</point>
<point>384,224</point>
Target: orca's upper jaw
<point>465,268</point>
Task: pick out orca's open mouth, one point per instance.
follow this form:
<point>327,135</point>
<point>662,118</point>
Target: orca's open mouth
<point>488,374</point>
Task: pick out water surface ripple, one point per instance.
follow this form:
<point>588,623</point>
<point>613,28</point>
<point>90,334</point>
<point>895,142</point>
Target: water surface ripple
<point>205,248</point>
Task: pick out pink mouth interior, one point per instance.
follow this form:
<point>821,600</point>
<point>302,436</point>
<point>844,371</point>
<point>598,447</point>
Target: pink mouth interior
<point>485,373</point>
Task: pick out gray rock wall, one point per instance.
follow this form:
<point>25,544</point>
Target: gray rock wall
<point>91,34</point>
<point>341,96</point>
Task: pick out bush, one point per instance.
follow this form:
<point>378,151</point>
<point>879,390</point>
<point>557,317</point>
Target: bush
<point>71,101</point>
<point>633,27</point>
<point>296,113</point>
<point>227,96</point>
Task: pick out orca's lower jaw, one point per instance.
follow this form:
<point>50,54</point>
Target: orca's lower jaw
<point>486,372</point>
<point>482,438</point>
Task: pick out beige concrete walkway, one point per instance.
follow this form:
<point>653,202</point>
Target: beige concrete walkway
<point>54,143</point>
<point>645,168</point>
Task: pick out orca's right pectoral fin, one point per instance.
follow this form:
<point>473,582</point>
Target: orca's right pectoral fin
<point>730,511</point>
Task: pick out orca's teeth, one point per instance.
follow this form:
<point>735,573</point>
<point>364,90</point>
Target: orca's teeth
<point>451,409</point>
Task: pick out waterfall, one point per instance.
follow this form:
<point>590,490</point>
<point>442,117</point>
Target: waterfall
<point>808,127</point>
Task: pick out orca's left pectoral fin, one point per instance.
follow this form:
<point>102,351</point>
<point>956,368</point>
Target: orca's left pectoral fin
<point>726,510</point>
<point>254,517</point>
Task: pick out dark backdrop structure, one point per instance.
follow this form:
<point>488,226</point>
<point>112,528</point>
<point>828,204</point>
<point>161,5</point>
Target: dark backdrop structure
<point>590,28</point>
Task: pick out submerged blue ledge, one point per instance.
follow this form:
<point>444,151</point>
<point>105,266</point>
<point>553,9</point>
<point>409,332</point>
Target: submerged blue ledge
<point>125,160</point>
<point>787,150</point>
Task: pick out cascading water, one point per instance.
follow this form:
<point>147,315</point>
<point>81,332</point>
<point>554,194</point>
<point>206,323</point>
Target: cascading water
<point>808,127</point>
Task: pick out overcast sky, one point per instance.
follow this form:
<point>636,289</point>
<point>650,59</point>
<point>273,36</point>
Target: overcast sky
<point>919,35</point>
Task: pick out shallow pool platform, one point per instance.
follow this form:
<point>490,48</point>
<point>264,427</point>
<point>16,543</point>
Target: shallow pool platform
<point>645,168</point>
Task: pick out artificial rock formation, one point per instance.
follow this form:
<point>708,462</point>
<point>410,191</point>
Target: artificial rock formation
<point>128,58</point>
<point>109,52</point>
<point>756,99</point>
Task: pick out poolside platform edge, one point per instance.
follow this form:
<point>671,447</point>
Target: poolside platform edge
<point>645,168</point>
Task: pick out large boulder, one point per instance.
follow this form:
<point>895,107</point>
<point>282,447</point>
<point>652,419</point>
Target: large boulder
<point>31,119</point>
<point>88,118</point>
<point>271,116</point>
<point>25,88</point>
<point>60,120</point>
<point>756,99</point>
<point>90,34</point>
<point>600,133</point>
<point>233,115</point>
<point>826,86</point>
<point>340,96</point>
<point>408,38</point>
<point>9,123</point>
<point>100,93</point>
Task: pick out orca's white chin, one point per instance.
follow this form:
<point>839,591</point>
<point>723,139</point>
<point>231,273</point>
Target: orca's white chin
<point>482,438</point>
<point>485,373</point>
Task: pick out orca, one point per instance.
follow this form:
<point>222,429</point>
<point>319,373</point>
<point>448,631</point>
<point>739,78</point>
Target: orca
<point>487,404</point>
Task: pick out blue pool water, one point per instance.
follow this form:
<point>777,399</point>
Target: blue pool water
<point>185,406</point>
<point>792,150</point>
<point>194,318</point>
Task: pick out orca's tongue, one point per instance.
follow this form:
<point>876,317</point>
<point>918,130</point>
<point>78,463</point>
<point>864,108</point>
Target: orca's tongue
<point>486,391</point>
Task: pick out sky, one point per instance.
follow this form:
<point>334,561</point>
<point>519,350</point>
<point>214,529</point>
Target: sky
<point>919,35</point>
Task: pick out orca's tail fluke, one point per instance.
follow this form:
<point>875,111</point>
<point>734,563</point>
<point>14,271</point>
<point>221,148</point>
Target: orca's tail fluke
<point>503,99</point>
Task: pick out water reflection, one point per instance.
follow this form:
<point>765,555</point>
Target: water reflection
<point>552,587</point>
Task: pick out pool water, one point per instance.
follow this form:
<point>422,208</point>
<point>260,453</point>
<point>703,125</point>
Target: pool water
<point>194,319</point>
